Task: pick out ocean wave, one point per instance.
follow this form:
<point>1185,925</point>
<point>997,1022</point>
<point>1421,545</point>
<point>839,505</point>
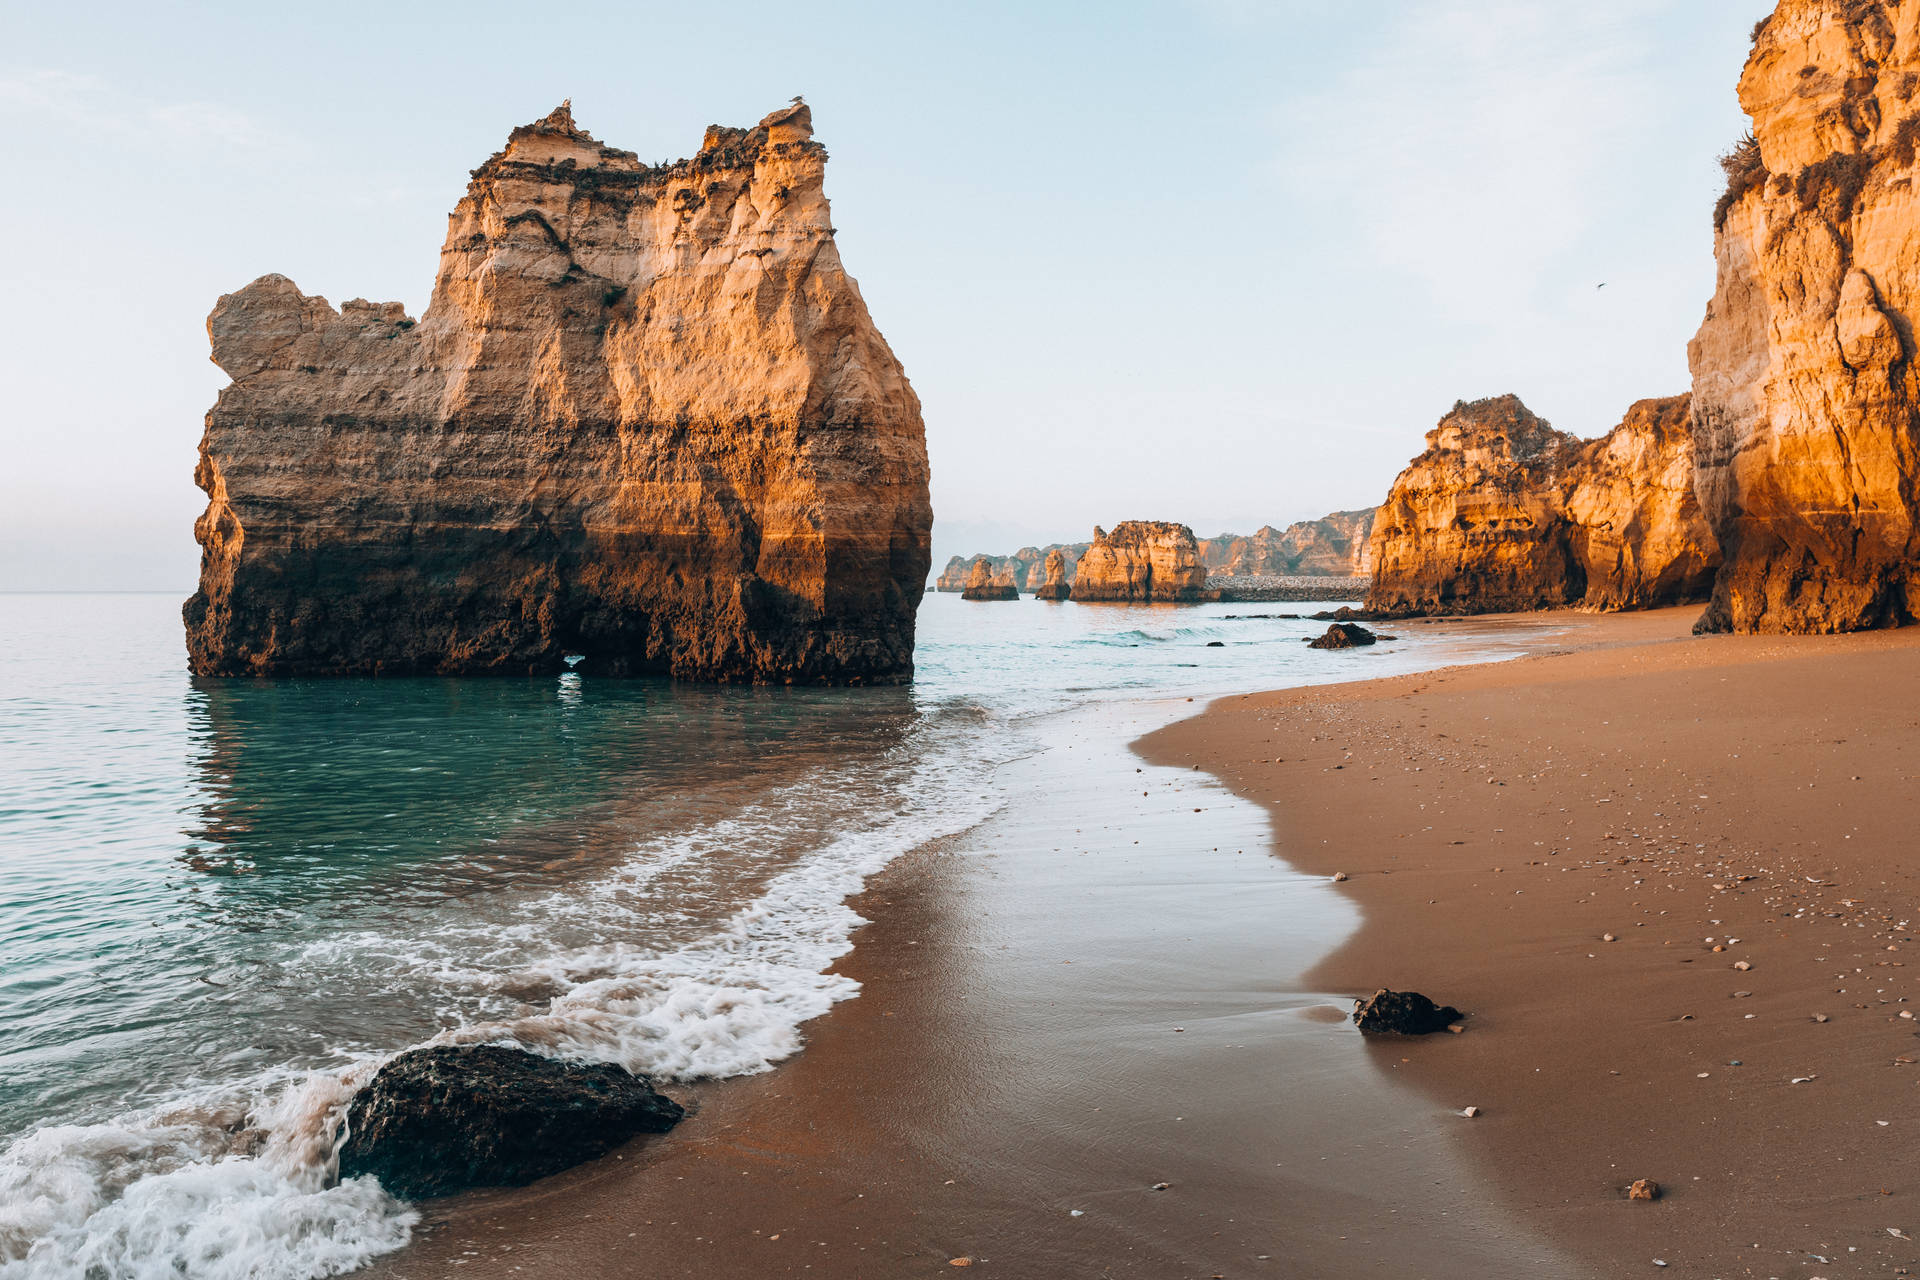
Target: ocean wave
<point>241,1181</point>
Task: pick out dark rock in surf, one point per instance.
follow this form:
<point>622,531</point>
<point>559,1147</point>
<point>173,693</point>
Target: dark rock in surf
<point>1405,1013</point>
<point>1344,635</point>
<point>439,1120</point>
<point>1345,613</point>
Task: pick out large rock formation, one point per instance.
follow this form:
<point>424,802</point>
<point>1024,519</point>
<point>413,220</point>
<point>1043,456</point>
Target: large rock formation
<point>1336,545</point>
<point>1806,440</point>
<point>954,576</point>
<point>984,582</point>
<point>1637,532</point>
<point>1502,512</point>
<point>645,419</point>
<point>1054,585</point>
<point>1142,560</point>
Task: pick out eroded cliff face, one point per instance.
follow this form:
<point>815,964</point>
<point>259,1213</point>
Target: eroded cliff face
<point>1504,513</point>
<point>985,582</point>
<point>1142,561</point>
<point>1804,392</point>
<point>1336,545</point>
<point>1637,531</point>
<point>645,419</point>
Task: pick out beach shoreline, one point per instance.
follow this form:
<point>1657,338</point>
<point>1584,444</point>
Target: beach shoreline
<point>1071,1055</point>
<point>1664,876</point>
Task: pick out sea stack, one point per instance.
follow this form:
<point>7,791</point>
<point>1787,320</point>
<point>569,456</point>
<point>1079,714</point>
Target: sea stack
<point>1504,513</point>
<point>985,582</point>
<point>1804,389</point>
<point>1142,561</point>
<point>645,423</point>
<point>1055,585</point>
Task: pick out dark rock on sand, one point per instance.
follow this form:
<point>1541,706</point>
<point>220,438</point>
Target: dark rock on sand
<point>1406,1013</point>
<point>1343,635</point>
<point>443,1119</point>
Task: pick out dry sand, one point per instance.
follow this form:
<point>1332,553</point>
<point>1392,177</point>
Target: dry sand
<point>1056,1019</point>
<point>1684,795</point>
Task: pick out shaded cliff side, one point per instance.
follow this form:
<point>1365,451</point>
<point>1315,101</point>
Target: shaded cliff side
<point>1146,561</point>
<point>646,420</point>
<point>1806,442</point>
<point>1503,513</point>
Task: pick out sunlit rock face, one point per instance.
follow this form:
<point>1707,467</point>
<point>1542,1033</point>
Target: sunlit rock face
<point>1804,391</point>
<point>1335,545</point>
<point>1503,513</point>
<point>1143,561</point>
<point>1054,584</point>
<point>985,582</point>
<point>646,420</point>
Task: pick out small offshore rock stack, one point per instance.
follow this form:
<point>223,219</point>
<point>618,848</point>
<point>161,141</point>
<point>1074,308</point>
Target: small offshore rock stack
<point>986,583</point>
<point>646,422</point>
<point>1144,561</point>
<point>1806,400</point>
<point>1054,585</point>
<point>1504,513</point>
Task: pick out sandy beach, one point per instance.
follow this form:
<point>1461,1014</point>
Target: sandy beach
<point>1737,813</point>
<point>1055,1019</point>
<point>1097,993</point>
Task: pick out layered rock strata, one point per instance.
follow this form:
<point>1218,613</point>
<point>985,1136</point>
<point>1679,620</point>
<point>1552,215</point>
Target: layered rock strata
<point>984,582</point>
<point>1503,513</point>
<point>646,421</point>
<point>1142,561</point>
<point>1806,435</point>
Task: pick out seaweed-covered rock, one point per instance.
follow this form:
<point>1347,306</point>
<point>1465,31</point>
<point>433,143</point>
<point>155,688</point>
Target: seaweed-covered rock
<point>438,1120</point>
<point>1406,1013</point>
<point>1343,635</point>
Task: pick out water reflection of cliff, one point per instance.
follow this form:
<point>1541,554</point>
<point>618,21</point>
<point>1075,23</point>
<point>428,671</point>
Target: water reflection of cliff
<point>429,788</point>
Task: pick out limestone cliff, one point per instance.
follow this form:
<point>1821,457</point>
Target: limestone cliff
<point>1806,439</point>
<point>1027,566</point>
<point>984,582</point>
<point>1502,512</point>
<point>1336,545</point>
<point>954,576</point>
<point>1638,534</point>
<point>646,419</point>
<point>1142,560</point>
<point>1054,585</point>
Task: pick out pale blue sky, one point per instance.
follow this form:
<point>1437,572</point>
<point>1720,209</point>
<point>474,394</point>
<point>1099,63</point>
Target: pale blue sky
<point>1221,261</point>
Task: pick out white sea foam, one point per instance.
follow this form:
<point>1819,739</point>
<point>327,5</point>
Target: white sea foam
<point>241,1183</point>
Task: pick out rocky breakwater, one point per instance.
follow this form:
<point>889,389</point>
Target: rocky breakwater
<point>1145,561</point>
<point>984,582</point>
<point>1806,400</point>
<point>1502,512</point>
<point>1054,585</point>
<point>645,422</point>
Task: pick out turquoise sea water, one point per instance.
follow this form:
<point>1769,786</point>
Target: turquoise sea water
<point>222,903</point>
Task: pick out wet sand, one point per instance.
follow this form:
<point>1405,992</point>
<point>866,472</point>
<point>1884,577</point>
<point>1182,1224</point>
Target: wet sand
<point>1682,794</point>
<point>1055,1019</point>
